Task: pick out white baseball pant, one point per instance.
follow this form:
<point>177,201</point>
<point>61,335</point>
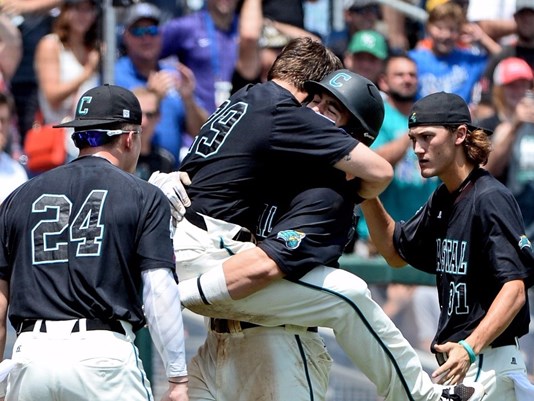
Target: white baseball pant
<point>84,366</point>
<point>324,297</point>
<point>260,364</point>
<point>500,370</point>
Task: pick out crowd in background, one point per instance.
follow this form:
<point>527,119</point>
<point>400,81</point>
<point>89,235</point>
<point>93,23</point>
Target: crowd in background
<point>183,58</point>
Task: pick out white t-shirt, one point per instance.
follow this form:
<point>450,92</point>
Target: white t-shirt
<point>12,175</point>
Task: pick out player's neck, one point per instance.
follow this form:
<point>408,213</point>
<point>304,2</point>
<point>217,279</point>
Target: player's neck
<point>299,95</point>
<point>455,177</point>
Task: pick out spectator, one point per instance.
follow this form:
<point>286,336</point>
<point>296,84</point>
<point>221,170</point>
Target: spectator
<point>152,157</point>
<point>399,84</point>
<point>35,22</point>
<point>366,54</point>
<point>358,15</point>
<point>12,174</point>
<point>523,48</point>
<point>494,17</point>
<point>180,111</point>
<point>206,42</point>
<point>513,157</point>
<point>67,60</point>
<point>511,79</point>
<point>260,42</point>
<point>444,66</point>
<point>10,51</point>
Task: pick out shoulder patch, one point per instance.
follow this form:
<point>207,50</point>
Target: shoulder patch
<point>524,242</point>
<point>292,238</point>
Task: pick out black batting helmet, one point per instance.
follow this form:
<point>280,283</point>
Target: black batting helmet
<point>360,96</point>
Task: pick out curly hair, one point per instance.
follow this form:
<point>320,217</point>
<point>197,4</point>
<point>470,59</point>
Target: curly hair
<point>477,145</point>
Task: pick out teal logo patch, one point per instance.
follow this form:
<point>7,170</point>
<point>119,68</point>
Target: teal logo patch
<point>413,118</point>
<point>524,242</point>
<point>292,238</point>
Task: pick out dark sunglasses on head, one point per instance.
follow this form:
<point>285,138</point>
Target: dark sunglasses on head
<point>140,31</point>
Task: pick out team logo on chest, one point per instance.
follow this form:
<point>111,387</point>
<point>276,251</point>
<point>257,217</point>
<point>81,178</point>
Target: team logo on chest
<point>292,238</point>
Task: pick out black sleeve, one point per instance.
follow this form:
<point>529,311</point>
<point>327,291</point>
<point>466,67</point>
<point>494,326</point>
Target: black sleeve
<point>507,248</point>
<point>415,242</point>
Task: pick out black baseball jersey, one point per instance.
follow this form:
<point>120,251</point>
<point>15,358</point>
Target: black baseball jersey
<point>259,141</point>
<point>473,240</point>
<point>74,240</point>
<point>309,224</point>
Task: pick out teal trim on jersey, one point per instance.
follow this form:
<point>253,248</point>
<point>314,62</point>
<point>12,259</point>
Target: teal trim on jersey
<point>480,363</point>
<point>369,327</point>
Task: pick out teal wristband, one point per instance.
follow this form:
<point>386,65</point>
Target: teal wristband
<point>470,352</point>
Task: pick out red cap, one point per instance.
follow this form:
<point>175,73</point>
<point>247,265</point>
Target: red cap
<point>511,69</point>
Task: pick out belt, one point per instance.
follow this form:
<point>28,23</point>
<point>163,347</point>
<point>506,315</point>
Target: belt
<point>504,342</point>
<point>234,326</point>
<point>243,235</point>
<point>91,324</point>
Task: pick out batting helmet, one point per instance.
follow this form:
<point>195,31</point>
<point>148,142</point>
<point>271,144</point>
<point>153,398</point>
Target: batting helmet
<point>360,96</point>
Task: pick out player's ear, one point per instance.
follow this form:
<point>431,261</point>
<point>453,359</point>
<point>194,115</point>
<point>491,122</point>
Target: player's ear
<point>461,134</point>
<point>128,139</point>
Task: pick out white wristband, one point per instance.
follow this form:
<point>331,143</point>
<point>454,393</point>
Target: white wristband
<point>206,289</point>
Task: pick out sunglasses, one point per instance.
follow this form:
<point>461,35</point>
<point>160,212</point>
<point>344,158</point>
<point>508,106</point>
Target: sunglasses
<point>139,31</point>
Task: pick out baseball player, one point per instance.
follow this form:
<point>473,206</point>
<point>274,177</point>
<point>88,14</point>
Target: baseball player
<point>470,234</point>
<point>324,296</point>
<point>77,243</point>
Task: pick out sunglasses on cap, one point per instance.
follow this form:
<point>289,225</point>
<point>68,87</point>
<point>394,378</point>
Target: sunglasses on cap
<point>139,31</point>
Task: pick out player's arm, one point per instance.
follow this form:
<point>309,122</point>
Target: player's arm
<point>374,171</point>
<point>381,229</point>
<point>161,301</point>
<point>4,301</point>
<point>501,313</point>
<point>239,276</point>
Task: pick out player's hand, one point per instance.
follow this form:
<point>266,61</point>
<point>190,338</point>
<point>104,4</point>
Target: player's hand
<point>173,186</point>
<point>453,371</point>
<point>176,392</point>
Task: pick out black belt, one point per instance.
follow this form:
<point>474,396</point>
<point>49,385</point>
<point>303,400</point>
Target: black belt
<point>229,326</point>
<point>243,235</point>
<point>504,342</point>
<point>90,324</point>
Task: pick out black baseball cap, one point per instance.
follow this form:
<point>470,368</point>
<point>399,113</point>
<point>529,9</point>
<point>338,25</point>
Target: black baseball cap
<point>105,105</point>
<point>442,108</point>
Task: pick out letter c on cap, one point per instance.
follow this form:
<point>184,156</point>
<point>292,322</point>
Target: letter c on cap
<point>83,111</point>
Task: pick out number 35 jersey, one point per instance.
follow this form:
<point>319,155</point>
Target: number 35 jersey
<point>74,240</point>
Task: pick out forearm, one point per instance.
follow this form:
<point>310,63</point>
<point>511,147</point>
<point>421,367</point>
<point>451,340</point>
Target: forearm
<point>10,47</point>
<point>250,27</point>
<point>195,116</point>
<point>374,171</point>
<point>502,312</point>
<point>239,276</point>
<point>502,146</point>
<point>4,302</point>
<point>381,228</point>
<point>161,300</point>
